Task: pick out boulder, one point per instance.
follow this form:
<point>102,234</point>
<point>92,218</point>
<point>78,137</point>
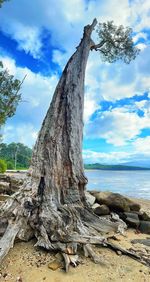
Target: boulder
<point>131,219</point>
<point>116,202</point>
<point>145,227</point>
<point>134,206</point>
<point>89,198</point>
<point>100,209</point>
<point>145,216</point>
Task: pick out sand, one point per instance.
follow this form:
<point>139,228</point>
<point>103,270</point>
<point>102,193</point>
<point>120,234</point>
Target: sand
<point>28,264</point>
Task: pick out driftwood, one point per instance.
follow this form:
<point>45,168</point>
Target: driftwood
<point>130,253</point>
<point>51,204</point>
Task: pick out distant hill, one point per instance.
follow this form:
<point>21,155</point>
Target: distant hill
<point>113,167</point>
<point>139,163</point>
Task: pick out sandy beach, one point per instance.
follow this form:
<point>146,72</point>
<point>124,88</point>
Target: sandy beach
<point>31,265</point>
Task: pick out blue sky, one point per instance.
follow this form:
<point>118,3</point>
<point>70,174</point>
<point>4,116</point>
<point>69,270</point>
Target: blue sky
<point>37,38</point>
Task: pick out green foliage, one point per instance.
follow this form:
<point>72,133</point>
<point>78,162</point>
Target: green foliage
<point>10,165</point>
<point>3,166</point>
<point>116,43</point>
<point>9,96</point>
<point>16,152</point>
<point>1,2</point>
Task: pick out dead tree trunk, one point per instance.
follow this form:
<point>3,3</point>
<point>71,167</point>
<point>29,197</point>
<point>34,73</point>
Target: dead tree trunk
<point>51,204</point>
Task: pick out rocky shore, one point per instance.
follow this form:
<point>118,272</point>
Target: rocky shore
<point>129,211</point>
<point>25,263</point>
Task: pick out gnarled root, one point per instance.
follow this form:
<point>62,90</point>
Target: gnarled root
<point>7,241</point>
<point>62,229</point>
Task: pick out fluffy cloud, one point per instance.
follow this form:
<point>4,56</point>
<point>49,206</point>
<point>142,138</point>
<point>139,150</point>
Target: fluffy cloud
<point>23,133</point>
<point>142,145</point>
<point>65,19</point>
<point>105,158</point>
<point>117,126</point>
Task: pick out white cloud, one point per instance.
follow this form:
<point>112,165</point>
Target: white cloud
<point>105,158</point>
<point>117,126</point>
<point>139,35</point>
<point>140,13</point>
<point>36,88</point>
<point>142,146</point>
<point>22,133</point>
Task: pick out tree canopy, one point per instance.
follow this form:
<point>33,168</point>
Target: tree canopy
<point>9,94</point>
<point>115,43</point>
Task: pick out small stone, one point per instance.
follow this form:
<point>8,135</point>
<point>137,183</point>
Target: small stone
<point>19,279</point>
<point>54,265</point>
<point>5,275</point>
<point>119,253</point>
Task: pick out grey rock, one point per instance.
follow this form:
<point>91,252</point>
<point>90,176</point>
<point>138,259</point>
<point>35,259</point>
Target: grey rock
<point>134,206</point>
<point>145,242</point>
<point>116,202</point>
<point>101,209</point>
<point>131,215</point>
<point>89,198</point>
<point>132,219</point>
<point>145,216</point>
<point>145,227</point>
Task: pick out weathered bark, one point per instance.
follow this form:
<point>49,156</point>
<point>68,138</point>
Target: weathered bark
<point>51,204</point>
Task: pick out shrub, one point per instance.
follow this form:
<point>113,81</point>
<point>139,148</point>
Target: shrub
<point>3,166</point>
<point>10,165</point>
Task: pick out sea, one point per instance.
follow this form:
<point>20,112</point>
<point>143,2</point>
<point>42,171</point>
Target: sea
<point>135,183</point>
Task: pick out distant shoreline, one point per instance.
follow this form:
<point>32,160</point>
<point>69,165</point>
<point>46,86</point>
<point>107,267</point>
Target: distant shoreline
<point>106,169</point>
<point>113,167</point>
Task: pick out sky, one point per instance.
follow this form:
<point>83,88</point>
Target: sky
<point>36,40</point>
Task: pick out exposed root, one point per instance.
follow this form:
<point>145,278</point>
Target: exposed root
<point>60,229</point>
<point>67,261</point>
<point>70,260</point>
<point>7,241</point>
<point>88,252</point>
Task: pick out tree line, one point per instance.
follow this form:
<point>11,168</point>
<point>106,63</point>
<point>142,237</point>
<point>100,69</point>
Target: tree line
<point>15,155</point>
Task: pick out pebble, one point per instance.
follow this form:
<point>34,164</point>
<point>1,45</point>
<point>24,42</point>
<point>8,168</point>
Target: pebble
<point>19,279</point>
<point>119,253</point>
<point>54,265</point>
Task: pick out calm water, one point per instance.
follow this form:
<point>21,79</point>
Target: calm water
<point>131,183</point>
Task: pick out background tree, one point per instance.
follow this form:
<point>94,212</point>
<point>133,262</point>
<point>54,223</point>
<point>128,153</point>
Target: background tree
<point>9,94</point>
<point>2,1</point>
<point>3,166</point>
<point>23,157</point>
<point>52,204</point>
<point>9,91</point>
